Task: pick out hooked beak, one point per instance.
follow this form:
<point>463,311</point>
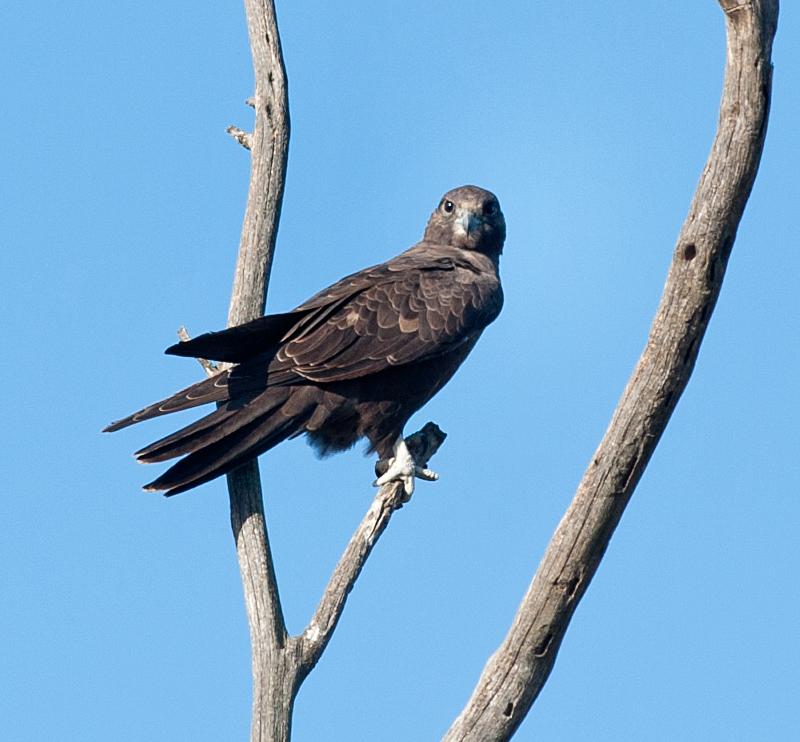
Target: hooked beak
<point>468,222</point>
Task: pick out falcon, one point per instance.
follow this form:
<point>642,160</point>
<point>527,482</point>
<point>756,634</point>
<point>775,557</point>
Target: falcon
<point>354,361</point>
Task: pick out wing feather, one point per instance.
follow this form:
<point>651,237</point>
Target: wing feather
<point>403,317</point>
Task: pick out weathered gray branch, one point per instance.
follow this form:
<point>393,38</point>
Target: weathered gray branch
<point>517,671</point>
<point>209,367</point>
<point>273,690</point>
<point>244,138</point>
<point>423,445</point>
<point>291,659</point>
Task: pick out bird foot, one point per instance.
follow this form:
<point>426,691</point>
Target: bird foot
<point>403,468</point>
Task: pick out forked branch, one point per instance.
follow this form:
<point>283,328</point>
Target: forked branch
<point>518,670</point>
<point>280,662</point>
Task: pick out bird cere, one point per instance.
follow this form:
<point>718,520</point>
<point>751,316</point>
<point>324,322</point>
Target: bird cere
<point>357,360</point>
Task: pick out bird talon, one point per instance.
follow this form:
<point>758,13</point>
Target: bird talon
<point>403,468</point>
<point>427,474</point>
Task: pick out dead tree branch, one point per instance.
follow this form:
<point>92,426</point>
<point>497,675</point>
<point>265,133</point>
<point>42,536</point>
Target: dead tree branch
<point>210,368</point>
<point>281,662</point>
<point>273,693</point>
<point>518,670</point>
<point>423,445</point>
<point>244,138</point>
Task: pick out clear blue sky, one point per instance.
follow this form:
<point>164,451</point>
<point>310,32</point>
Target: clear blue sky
<point>121,203</point>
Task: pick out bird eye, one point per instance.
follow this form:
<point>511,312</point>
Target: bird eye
<point>490,209</point>
<point>448,206</point>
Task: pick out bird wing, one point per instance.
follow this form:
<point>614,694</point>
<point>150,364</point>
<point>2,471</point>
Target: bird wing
<point>396,314</point>
<point>239,343</point>
<point>263,336</point>
<point>411,308</point>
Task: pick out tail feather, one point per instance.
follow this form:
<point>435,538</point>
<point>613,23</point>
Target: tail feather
<point>184,440</point>
<point>213,389</point>
<point>221,457</point>
<point>210,428</point>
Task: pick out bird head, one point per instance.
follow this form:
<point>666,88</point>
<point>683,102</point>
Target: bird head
<point>468,217</point>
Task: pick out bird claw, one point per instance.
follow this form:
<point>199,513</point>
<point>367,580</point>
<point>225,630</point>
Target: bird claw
<point>403,468</point>
<point>427,474</point>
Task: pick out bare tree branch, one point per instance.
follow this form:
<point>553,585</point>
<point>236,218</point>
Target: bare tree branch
<point>241,136</point>
<point>273,691</point>
<point>210,368</point>
<point>423,445</point>
<point>517,671</point>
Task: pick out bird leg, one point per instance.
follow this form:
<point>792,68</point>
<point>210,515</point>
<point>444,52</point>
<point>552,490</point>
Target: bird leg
<point>404,468</point>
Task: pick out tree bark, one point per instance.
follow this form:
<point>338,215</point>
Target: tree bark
<point>518,670</point>
<point>273,687</point>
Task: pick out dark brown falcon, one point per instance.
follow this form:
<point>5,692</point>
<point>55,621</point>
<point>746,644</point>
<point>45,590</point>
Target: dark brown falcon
<point>356,360</point>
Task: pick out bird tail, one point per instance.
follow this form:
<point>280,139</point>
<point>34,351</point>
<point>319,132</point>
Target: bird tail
<point>227,438</point>
<point>213,389</point>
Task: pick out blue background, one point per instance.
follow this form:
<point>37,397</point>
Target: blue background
<point>121,202</point>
